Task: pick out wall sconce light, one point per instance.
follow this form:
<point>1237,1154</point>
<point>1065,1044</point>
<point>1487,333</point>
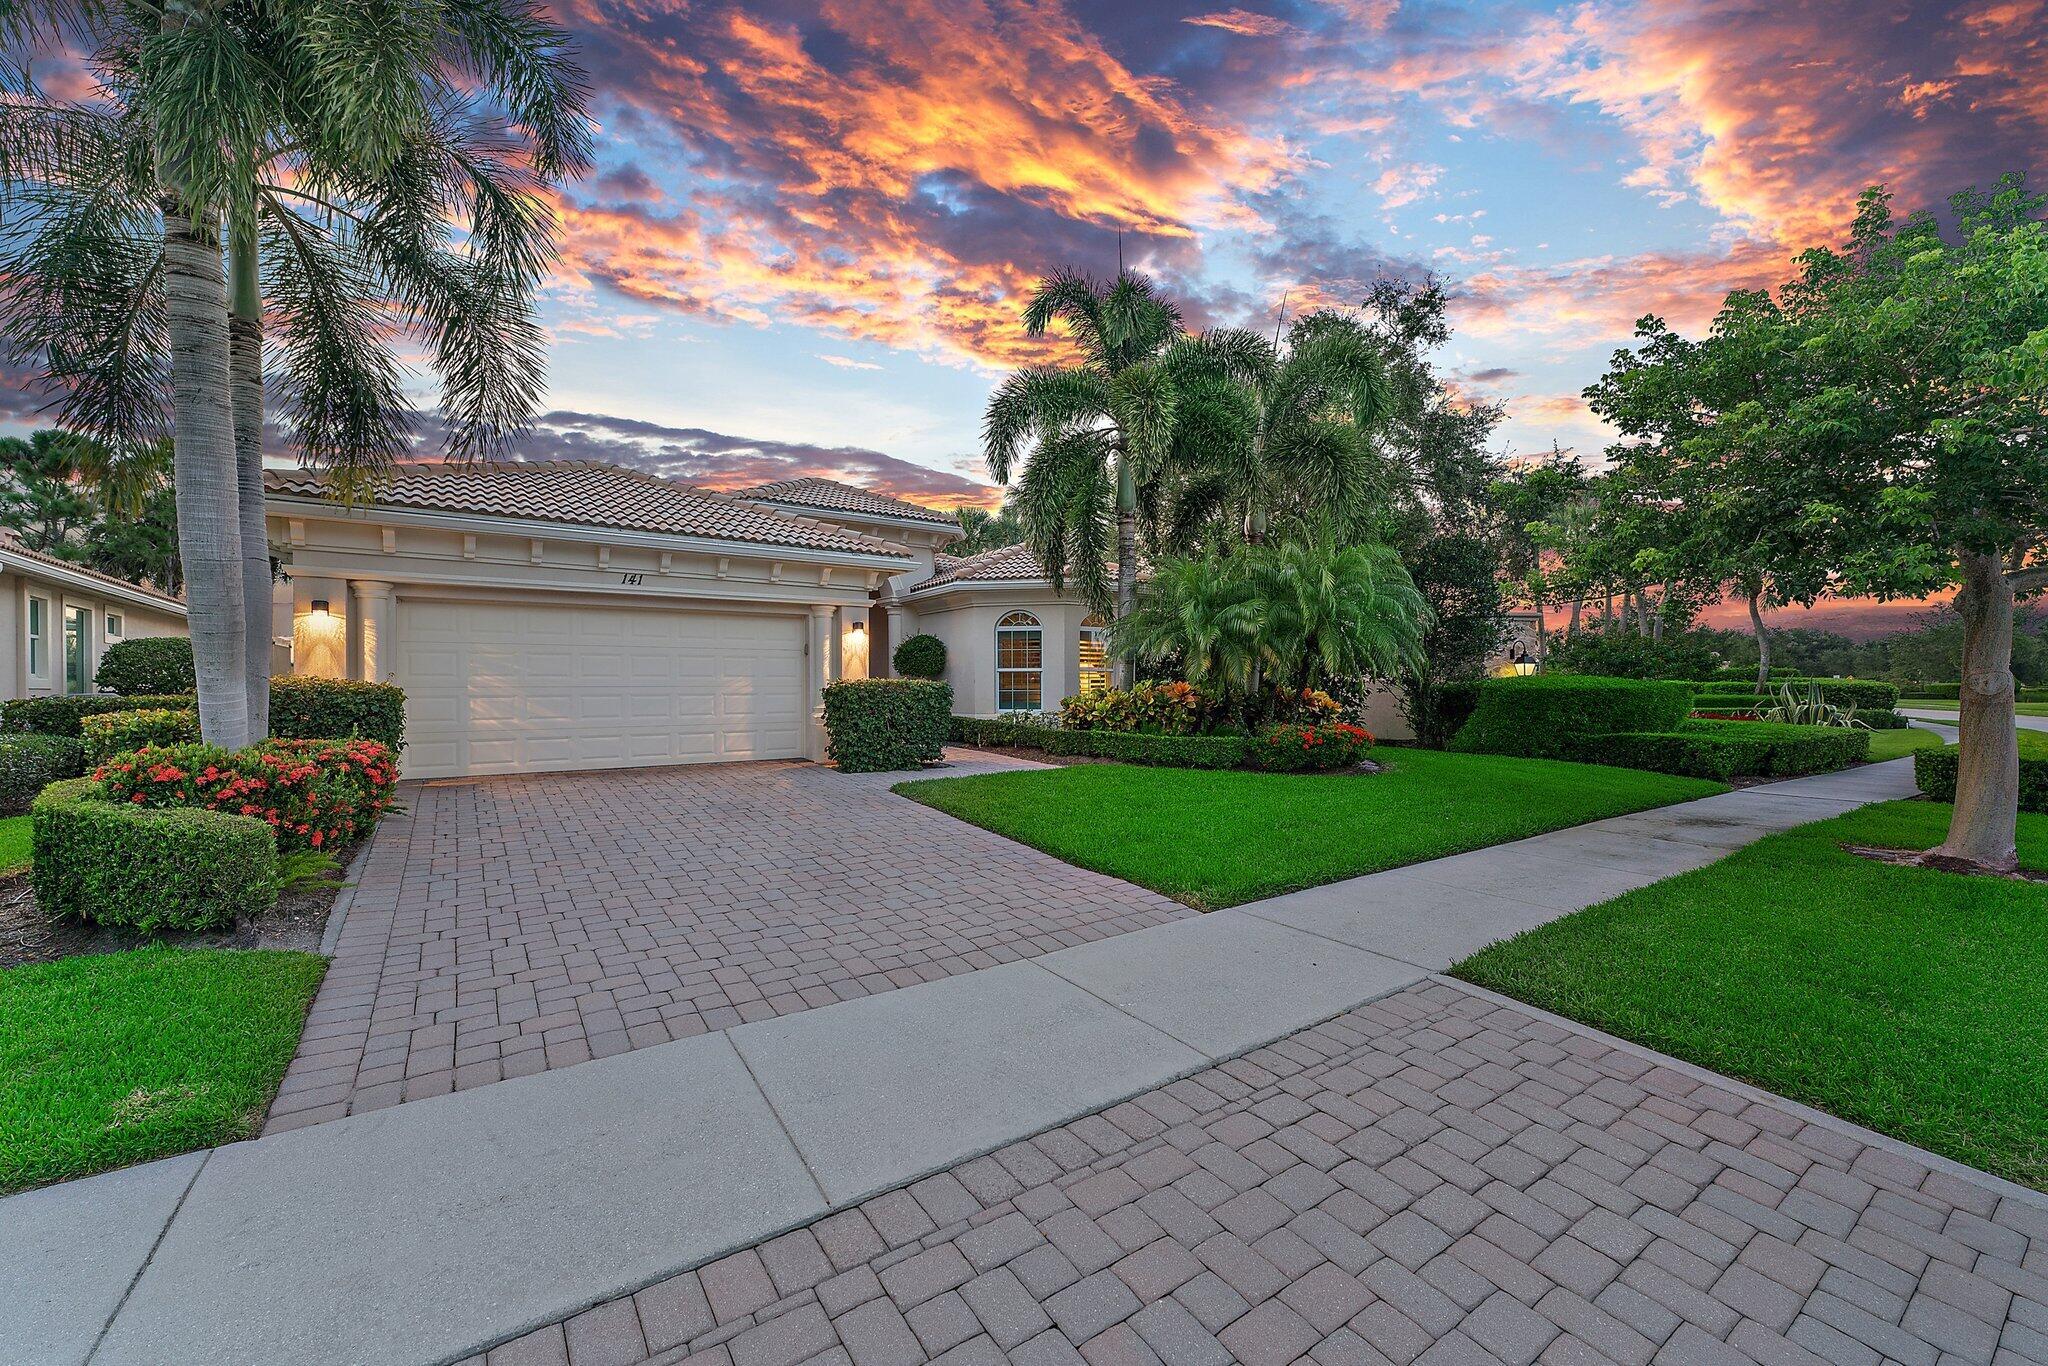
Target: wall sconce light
<point>319,607</point>
<point>860,628</point>
<point>1524,664</point>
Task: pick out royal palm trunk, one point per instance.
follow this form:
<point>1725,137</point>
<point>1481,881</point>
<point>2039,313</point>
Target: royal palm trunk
<point>1126,559</point>
<point>1984,828</point>
<point>245,364</point>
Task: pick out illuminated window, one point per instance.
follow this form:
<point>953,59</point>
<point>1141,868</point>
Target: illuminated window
<point>1093,652</point>
<point>1020,663</point>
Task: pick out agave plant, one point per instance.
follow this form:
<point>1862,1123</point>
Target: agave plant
<point>1810,709</point>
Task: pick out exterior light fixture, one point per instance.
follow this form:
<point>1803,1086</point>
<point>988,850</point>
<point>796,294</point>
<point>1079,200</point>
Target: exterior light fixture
<point>319,607</point>
<point>1524,664</point>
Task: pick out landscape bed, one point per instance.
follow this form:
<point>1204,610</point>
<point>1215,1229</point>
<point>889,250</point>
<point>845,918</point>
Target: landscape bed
<point>1906,1000</point>
<point>1186,833</point>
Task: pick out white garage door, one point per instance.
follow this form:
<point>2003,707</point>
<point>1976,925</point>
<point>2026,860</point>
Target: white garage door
<point>498,688</point>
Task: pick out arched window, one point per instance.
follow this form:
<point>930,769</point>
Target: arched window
<point>1020,663</point>
<point>1092,650</point>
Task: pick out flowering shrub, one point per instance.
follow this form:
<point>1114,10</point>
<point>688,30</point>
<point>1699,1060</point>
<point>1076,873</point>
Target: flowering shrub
<point>313,793</point>
<point>1316,747</point>
<point>1174,708</point>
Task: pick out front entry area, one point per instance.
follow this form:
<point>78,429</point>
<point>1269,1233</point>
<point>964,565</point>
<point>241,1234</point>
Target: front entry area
<point>498,687</point>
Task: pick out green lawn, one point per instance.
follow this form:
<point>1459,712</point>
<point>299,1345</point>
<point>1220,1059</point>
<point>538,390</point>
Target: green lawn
<point>1910,1001</point>
<point>110,1059</point>
<point>1949,704</point>
<point>1217,839</point>
<point>13,843</point>
<point>1896,744</point>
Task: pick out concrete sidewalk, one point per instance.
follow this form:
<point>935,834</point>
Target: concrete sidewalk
<point>427,1232</point>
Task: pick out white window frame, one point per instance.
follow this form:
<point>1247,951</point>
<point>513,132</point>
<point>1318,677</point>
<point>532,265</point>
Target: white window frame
<point>1094,632</point>
<point>1021,629</point>
<point>117,625</point>
<point>37,634</point>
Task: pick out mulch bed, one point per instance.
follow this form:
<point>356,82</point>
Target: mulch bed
<point>29,936</point>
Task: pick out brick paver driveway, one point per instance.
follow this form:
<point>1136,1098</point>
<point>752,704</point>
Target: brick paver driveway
<point>509,925</point>
<point>1432,1179</point>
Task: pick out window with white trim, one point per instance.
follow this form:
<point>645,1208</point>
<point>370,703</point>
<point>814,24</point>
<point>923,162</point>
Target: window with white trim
<point>115,627</point>
<point>77,650</point>
<point>1020,663</point>
<point>39,639</point>
<point>1092,650</point>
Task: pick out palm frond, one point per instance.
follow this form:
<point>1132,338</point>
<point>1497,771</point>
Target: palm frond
<point>1034,404</point>
<point>512,48</point>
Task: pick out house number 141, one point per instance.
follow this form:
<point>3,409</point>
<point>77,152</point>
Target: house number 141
<point>629,580</point>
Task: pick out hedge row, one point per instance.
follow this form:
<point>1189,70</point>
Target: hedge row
<point>1864,693</point>
<point>1731,749</point>
<point>124,732</point>
<point>29,763</point>
<point>881,725</point>
<point>1130,747</point>
<point>300,709</point>
<point>1934,773</point>
<point>1547,716</point>
<point>152,870</point>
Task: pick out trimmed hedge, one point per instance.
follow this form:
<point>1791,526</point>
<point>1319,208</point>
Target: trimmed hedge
<point>1547,716</point>
<point>1935,770</point>
<point>1129,747</point>
<point>114,864</point>
<point>1732,749</point>
<point>881,725</point>
<point>337,709</point>
<point>314,793</point>
<point>124,732</point>
<point>1866,694</point>
<point>29,763</point>
<point>920,656</point>
<point>61,715</point>
<point>149,666</point>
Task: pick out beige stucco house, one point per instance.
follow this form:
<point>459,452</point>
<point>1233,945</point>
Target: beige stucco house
<point>58,618</point>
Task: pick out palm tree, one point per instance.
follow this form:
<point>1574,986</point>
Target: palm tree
<point>988,530</point>
<point>348,190</point>
<point>1095,430</point>
<point>1334,611</point>
<point>1198,612</point>
<point>1302,447</point>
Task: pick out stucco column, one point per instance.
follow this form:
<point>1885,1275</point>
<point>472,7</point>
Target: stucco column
<point>374,611</point>
<point>856,643</point>
<point>819,672</point>
<point>898,628</point>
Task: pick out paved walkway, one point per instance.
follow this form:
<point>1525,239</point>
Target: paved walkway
<point>1946,720</point>
<point>505,926</point>
<point>426,1231</point>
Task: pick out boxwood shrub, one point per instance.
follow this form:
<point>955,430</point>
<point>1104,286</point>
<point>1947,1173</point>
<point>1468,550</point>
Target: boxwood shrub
<point>61,715</point>
<point>1864,693</point>
<point>880,725</point>
<point>1130,747</point>
<point>337,709</point>
<point>921,656</point>
<point>150,666</point>
<point>124,732</point>
<point>1934,773</point>
<point>1732,749</point>
<point>115,864</point>
<point>1550,715</point>
<point>29,763</point>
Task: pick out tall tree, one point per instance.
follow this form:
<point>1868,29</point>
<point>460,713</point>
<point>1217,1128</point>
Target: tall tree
<point>43,495</point>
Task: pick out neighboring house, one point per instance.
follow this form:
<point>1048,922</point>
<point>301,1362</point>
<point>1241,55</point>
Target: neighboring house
<point>58,619</point>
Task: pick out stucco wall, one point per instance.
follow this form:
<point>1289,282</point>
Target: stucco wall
<point>966,622</point>
<point>16,587</point>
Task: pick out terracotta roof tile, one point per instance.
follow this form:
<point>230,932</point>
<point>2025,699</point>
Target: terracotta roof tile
<point>831,495</point>
<point>590,493</point>
<point>1010,563</point>
<point>13,546</point>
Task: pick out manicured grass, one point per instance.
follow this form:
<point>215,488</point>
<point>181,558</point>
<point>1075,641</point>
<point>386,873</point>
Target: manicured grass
<point>1896,744</point>
<point>13,843</point>
<point>110,1059</point>
<point>1949,704</point>
<point>1217,839</point>
<point>1909,1001</point>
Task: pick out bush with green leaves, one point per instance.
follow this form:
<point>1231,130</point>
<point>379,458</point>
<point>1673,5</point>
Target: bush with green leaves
<point>1312,748</point>
<point>29,763</point>
<point>1128,747</point>
<point>1617,652</point>
<point>881,725</point>
<point>113,863</point>
<point>124,732</point>
<point>147,666</point>
<point>1730,749</point>
<point>61,715</point>
<point>1934,773</point>
<point>1548,716</point>
<point>921,656</point>
<point>1170,708</point>
<point>1865,694</point>
<point>337,709</point>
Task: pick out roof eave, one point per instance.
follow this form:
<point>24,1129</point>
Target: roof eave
<point>132,594</point>
<point>814,510</point>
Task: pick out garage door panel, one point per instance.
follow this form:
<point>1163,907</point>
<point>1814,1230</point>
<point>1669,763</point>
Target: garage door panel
<point>498,688</point>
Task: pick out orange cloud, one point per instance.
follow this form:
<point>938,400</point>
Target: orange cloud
<point>1243,22</point>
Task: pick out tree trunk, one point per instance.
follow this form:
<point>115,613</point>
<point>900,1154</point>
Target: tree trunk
<point>1126,559</point>
<point>1984,829</point>
<point>1755,592</point>
<point>245,365</point>
<point>1542,633</point>
<point>203,466</point>
<point>1572,626</point>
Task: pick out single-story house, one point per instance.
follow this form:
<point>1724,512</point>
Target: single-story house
<point>58,618</point>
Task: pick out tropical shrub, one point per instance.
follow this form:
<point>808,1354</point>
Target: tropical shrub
<point>921,656</point>
<point>1315,747</point>
<point>1129,747</point>
<point>315,794</point>
<point>61,715</point>
<point>117,863</point>
<point>1865,694</point>
<point>151,665</point>
<point>124,732</point>
<point>879,725</point>
<point>1173,708</point>
<point>1934,773</point>
<point>337,709</point>
<point>29,763</point>
<point>1549,715</point>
